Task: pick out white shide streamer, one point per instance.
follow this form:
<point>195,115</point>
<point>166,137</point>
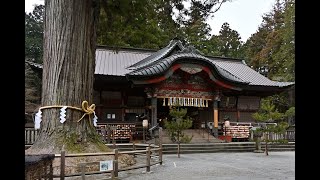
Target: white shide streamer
<point>37,120</point>
<point>63,114</point>
<point>95,119</point>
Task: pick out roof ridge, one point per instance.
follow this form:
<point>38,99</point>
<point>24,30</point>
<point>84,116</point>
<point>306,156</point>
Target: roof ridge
<point>117,48</point>
<point>157,55</point>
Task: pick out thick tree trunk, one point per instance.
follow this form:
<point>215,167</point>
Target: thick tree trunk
<point>68,70</point>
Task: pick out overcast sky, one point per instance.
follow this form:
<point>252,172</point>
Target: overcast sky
<point>244,16</point>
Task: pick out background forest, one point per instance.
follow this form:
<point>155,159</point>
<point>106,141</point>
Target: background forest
<point>152,24</point>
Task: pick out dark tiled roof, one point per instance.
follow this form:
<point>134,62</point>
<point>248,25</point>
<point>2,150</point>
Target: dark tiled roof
<point>135,62</point>
<point>245,73</point>
<point>161,65</point>
<point>111,62</point>
<point>157,55</point>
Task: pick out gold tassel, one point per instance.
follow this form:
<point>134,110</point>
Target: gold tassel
<point>164,102</point>
<point>207,103</point>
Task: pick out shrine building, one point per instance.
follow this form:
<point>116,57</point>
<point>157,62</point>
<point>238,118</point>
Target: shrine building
<point>130,83</point>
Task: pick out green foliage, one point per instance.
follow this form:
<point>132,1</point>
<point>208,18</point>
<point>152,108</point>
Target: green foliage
<point>153,23</point>
<point>34,34</point>
<point>271,50</point>
<point>228,43</point>
<point>291,112</point>
<point>33,51</point>
<point>269,114</point>
<point>178,122</point>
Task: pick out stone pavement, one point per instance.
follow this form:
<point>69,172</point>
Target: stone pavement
<point>217,166</point>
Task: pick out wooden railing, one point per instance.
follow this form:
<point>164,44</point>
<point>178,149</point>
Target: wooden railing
<point>288,135</point>
<point>156,152</point>
<point>30,135</point>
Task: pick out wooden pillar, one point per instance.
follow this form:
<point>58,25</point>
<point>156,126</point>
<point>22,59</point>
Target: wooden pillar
<point>148,159</point>
<point>115,163</point>
<point>153,111</point>
<point>238,115</point>
<point>215,118</point>
<point>62,164</point>
<point>123,95</point>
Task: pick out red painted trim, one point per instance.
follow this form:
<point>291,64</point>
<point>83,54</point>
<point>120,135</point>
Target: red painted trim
<point>183,87</point>
<point>155,80</point>
<point>207,70</point>
<point>162,78</point>
<point>175,67</point>
<point>223,84</point>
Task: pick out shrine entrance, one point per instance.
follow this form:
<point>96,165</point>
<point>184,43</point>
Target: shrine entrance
<point>188,87</point>
<point>197,115</point>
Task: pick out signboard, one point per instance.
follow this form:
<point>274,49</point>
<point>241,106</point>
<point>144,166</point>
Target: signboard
<point>106,165</point>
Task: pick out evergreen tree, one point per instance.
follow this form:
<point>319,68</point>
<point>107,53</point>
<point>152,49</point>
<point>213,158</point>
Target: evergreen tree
<point>227,44</point>
<point>269,114</point>
<point>175,126</point>
<point>270,50</point>
<point>34,34</point>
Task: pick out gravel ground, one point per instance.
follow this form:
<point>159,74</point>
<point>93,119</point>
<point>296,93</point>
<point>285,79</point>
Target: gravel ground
<point>221,166</point>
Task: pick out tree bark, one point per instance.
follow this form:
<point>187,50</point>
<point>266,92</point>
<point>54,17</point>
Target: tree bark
<point>68,70</point>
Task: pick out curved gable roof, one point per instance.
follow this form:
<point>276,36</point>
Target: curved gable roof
<point>160,66</point>
<point>135,63</point>
<point>233,70</point>
<point>157,55</point>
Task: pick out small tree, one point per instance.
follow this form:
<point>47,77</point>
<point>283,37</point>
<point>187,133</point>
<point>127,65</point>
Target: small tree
<point>290,114</point>
<point>269,114</point>
<point>175,126</point>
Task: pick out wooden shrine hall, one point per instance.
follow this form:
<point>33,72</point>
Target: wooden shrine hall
<point>131,83</point>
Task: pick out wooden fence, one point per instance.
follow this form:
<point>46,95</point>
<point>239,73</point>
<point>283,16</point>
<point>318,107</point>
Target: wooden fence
<point>288,135</point>
<point>30,135</point>
<point>156,152</point>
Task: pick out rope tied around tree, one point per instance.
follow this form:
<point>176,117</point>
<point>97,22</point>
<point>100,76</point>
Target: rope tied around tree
<point>88,110</point>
